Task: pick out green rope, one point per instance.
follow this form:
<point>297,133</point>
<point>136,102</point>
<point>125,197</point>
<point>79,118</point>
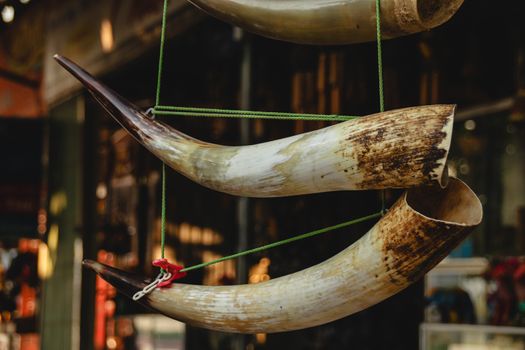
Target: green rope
<point>229,113</point>
<point>161,51</point>
<point>157,101</point>
<point>379,57</point>
<point>380,78</point>
<point>163,213</point>
<point>285,241</point>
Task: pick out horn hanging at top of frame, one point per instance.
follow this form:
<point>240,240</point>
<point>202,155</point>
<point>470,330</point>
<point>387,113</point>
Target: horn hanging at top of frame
<point>323,22</point>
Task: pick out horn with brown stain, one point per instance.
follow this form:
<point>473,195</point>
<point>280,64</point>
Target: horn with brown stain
<point>422,228</point>
<point>396,149</point>
<point>331,22</point>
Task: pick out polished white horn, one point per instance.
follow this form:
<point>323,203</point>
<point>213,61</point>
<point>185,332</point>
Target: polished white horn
<point>396,149</point>
<point>422,228</point>
<point>331,21</point>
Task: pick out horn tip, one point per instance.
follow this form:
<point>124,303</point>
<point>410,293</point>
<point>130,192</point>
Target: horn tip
<point>123,281</point>
<point>59,58</point>
<point>87,262</point>
<point>93,265</point>
<point>66,63</point>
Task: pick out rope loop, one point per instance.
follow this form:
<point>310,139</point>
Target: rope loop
<point>165,276</point>
<point>150,112</point>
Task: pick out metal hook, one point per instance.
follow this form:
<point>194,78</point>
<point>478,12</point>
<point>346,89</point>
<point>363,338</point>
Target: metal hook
<point>150,112</point>
<point>163,276</point>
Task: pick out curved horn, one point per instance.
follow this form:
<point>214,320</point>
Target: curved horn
<point>418,231</point>
<point>396,149</point>
<point>331,22</point>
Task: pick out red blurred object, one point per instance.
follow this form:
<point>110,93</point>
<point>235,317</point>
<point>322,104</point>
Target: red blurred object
<point>509,277</point>
<point>30,341</point>
<point>26,301</point>
<point>519,274</point>
<point>103,310</point>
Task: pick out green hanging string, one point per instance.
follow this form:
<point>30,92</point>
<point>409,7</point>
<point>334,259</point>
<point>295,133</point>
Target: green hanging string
<point>163,213</point>
<point>229,113</point>
<point>157,101</point>
<point>380,78</point>
<point>161,51</point>
<point>285,241</point>
<point>234,113</point>
<point>379,57</point>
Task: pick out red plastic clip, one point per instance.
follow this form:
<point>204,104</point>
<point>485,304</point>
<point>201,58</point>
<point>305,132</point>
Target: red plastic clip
<point>173,269</point>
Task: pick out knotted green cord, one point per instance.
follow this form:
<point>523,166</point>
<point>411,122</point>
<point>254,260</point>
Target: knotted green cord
<point>228,113</point>
<point>379,57</point>
<point>285,241</point>
<point>163,213</point>
<point>157,101</point>
<point>161,52</point>
<point>234,113</point>
<point>380,77</point>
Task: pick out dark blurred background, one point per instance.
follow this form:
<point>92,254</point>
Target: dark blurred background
<point>74,185</point>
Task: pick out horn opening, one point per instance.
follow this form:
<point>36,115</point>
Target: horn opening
<point>456,204</point>
<point>433,13</point>
<point>125,283</point>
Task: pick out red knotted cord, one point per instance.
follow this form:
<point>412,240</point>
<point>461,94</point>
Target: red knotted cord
<point>172,269</point>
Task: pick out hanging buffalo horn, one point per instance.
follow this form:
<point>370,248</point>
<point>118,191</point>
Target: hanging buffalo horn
<point>331,22</point>
<point>396,149</point>
<point>421,229</point>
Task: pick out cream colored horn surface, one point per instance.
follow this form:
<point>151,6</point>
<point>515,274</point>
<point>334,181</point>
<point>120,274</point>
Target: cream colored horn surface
<point>422,228</point>
<point>395,149</point>
<point>331,21</point>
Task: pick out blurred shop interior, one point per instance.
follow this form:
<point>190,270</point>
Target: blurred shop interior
<point>75,185</point>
